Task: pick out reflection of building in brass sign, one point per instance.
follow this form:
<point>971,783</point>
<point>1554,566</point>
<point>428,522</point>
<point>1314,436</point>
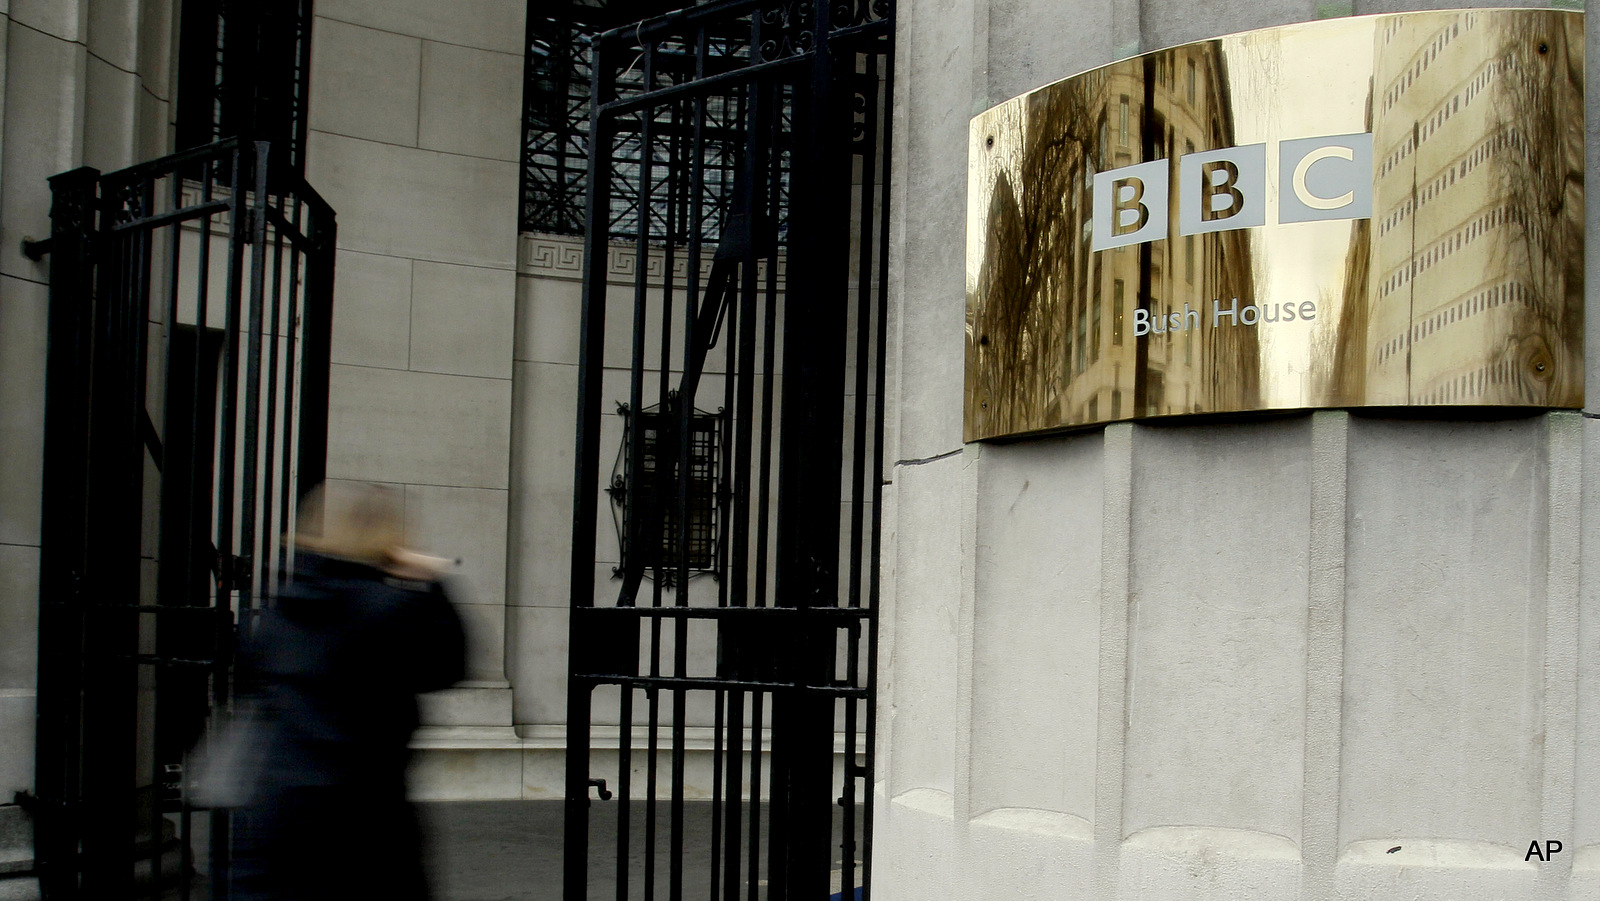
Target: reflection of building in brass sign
<point>1375,211</point>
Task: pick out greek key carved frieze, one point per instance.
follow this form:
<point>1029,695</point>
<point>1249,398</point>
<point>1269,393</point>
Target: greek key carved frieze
<point>560,257</point>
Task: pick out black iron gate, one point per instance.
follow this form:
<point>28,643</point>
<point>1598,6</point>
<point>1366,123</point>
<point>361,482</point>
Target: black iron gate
<point>186,409</point>
<point>742,146</point>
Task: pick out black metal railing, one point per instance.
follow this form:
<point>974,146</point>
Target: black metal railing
<point>186,409</point>
<point>775,317</point>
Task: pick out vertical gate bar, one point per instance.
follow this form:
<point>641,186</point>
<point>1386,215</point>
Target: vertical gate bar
<point>292,364</point>
<point>201,318</point>
<point>272,323</point>
<point>138,323</point>
<point>726,743</point>
<point>624,784</point>
<point>636,530</point>
<point>123,348</point>
<point>591,369</point>
<point>719,718</point>
<point>226,621</point>
<point>142,376</point>
<point>174,259</point>
<point>216,823</point>
<point>695,234</point>
<point>230,379</point>
<point>156,819</point>
<point>752,167</point>
<point>719,762</point>
<point>778,794</point>
<point>669,262</point>
<point>316,345</point>
<point>758,719</point>
<point>757,724</point>
<point>63,516</point>
<point>769,358</point>
<point>250,539</point>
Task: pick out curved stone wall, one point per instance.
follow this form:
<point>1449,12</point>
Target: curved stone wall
<point>1211,660</point>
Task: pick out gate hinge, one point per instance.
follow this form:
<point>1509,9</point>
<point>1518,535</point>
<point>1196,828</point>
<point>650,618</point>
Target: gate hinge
<point>35,250</point>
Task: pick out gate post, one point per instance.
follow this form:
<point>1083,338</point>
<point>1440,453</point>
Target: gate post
<point>63,517</point>
<point>591,369</point>
<point>812,430</point>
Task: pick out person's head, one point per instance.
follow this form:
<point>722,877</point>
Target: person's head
<point>356,521</point>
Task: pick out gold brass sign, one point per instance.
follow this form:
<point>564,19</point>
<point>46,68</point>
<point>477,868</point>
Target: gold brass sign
<point>1381,211</point>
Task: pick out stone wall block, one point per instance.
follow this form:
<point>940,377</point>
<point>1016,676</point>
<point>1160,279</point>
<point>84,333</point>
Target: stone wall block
<point>462,319</point>
<point>364,83</point>
<point>538,663</point>
<point>936,101</point>
<point>24,311</point>
<point>152,133</point>
<point>157,25</point>
<point>471,101</point>
<point>1372,7</point>
<point>418,428</point>
<point>465,774</point>
<point>921,857</point>
<point>1164,23</point>
<point>416,203</point>
<point>1444,633</point>
<point>44,109</point>
<point>110,129</point>
<point>549,312</point>
<point>541,478</point>
<point>17,717</point>
<point>1037,627</point>
<point>19,616</point>
<point>485,24</point>
<point>67,20</point>
<point>466,526</point>
<point>476,704</point>
<point>485,625</point>
<point>930,565</point>
<point>372,310</point>
<point>1209,647</point>
<point>1586,828</point>
<point>1032,44</point>
<point>1025,846</point>
<point>113,30</point>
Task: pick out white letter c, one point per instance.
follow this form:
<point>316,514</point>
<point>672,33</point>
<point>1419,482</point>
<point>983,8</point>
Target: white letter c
<point>1316,156</point>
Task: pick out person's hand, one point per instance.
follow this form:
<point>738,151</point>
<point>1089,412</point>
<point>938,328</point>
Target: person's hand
<point>415,566</point>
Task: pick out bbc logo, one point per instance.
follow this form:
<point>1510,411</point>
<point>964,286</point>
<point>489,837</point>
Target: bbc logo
<point>1319,178</point>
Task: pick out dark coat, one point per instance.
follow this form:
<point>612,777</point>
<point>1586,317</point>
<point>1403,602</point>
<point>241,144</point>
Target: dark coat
<point>334,669</point>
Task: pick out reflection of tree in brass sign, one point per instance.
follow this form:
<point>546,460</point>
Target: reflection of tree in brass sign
<point>1250,261</point>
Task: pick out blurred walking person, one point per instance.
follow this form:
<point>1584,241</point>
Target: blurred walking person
<point>332,672</point>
